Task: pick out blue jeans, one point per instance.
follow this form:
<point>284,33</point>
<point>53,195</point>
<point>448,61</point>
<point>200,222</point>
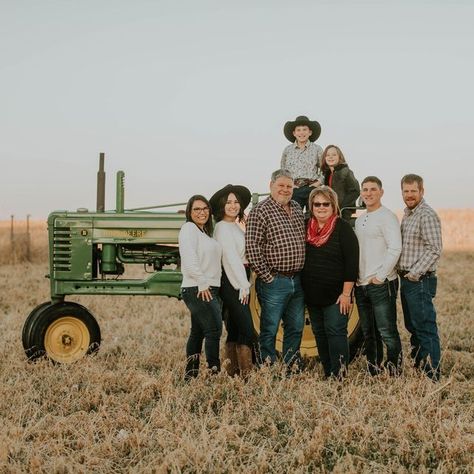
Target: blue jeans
<point>377,305</point>
<point>330,331</point>
<point>282,299</point>
<point>420,320</point>
<point>206,325</point>
<point>301,195</point>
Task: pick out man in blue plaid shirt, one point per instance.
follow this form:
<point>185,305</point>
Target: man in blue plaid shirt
<point>421,250</point>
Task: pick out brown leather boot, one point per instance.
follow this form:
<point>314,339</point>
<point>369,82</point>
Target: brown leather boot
<point>244,357</point>
<point>232,366</point>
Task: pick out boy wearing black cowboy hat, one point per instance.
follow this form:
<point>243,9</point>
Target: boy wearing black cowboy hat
<point>303,157</point>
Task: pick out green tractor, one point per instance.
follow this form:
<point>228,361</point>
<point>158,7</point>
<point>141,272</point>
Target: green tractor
<point>88,255</point>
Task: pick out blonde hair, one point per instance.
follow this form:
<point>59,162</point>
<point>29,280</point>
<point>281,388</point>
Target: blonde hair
<point>329,194</point>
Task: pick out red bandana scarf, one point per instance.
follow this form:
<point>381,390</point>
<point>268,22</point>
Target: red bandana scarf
<point>318,237</point>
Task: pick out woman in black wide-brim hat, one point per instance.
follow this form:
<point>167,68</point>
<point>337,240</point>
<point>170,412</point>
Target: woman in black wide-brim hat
<point>228,206</point>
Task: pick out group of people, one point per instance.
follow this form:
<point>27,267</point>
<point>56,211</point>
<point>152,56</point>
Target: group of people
<point>315,260</point>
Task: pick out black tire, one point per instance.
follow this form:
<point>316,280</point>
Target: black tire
<point>308,344</point>
<point>63,332</point>
<point>26,332</point>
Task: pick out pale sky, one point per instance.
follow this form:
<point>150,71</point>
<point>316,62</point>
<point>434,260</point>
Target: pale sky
<point>187,96</point>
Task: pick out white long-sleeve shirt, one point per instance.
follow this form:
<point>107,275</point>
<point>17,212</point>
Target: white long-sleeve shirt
<point>380,244</point>
<point>232,239</point>
<point>200,258</point>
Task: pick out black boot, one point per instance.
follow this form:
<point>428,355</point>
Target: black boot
<point>192,367</point>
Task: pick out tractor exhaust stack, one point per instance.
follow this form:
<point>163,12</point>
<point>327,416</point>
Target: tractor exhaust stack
<point>101,184</point>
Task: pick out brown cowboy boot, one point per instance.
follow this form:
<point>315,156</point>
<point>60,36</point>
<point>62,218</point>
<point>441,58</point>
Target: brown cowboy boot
<point>232,366</point>
<point>244,357</point>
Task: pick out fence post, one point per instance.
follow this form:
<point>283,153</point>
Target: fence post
<point>12,237</point>
<point>28,240</point>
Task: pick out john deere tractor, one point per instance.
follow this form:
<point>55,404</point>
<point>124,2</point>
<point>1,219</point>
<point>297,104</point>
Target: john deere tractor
<point>88,254</point>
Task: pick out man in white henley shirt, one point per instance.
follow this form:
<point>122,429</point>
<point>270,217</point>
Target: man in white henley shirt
<point>380,245</point>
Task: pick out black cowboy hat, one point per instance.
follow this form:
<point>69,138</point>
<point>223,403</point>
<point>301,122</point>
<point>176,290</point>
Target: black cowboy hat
<point>314,126</point>
<point>242,193</point>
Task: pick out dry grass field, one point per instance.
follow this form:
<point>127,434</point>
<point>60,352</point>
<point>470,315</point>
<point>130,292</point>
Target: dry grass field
<point>127,408</point>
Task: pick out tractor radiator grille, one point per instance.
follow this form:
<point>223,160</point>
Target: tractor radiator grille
<point>62,249</point>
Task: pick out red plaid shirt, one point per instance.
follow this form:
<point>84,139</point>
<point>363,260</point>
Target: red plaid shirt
<point>275,240</point>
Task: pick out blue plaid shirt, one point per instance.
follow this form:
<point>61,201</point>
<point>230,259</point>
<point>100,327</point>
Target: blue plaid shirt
<point>421,240</point>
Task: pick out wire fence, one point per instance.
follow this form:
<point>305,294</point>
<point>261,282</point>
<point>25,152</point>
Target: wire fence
<point>23,241</point>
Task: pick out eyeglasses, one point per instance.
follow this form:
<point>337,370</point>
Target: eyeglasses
<point>198,210</point>
<point>319,204</point>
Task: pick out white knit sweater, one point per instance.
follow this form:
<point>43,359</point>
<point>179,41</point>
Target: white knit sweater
<point>232,239</point>
<point>200,258</point>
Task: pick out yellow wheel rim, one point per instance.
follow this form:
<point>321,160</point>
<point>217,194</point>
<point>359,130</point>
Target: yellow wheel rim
<point>308,344</point>
<point>67,339</point>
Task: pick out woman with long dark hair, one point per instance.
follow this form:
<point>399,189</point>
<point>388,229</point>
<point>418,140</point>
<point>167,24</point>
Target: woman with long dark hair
<point>228,206</point>
<point>201,268</point>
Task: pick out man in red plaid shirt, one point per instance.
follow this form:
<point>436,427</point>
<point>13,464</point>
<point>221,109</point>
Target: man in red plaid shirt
<point>275,246</point>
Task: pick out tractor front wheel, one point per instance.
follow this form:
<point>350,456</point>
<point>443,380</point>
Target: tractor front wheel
<point>26,333</point>
<point>63,332</point>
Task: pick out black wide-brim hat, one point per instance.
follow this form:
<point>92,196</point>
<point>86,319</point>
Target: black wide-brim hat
<point>314,126</point>
<point>243,195</point>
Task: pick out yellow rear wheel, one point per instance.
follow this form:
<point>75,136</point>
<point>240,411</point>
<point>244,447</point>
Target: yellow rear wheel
<point>308,344</point>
